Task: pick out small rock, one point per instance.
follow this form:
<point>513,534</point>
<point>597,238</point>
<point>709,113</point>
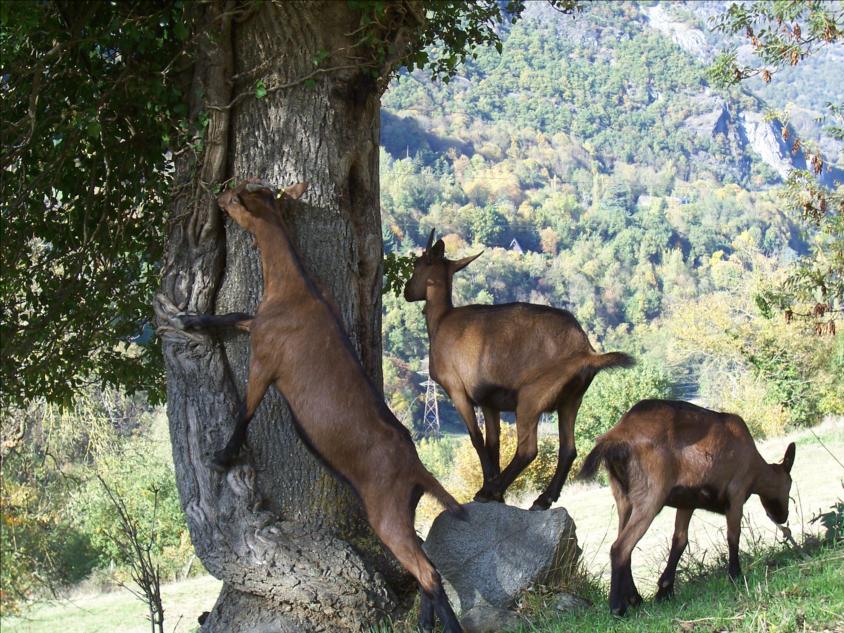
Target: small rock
<point>484,618</point>
<point>569,602</point>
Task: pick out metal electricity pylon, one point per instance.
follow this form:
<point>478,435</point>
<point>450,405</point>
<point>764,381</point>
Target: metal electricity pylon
<point>431,417</point>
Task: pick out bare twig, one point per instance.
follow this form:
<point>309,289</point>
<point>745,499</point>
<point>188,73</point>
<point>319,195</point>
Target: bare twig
<point>820,441</point>
<point>290,84</point>
<point>145,573</point>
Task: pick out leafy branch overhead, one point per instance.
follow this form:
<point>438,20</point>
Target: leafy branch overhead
<point>454,29</point>
<point>90,111</point>
<point>780,33</point>
<point>94,110</point>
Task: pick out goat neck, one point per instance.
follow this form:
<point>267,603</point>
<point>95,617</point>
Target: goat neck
<point>437,302</point>
<point>280,264</point>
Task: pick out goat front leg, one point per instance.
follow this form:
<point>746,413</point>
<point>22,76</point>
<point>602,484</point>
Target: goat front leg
<point>238,320</point>
<point>566,414</point>
<point>257,385</point>
<point>467,412</point>
<point>733,534</point>
<point>526,427</point>
<point>678,546</point>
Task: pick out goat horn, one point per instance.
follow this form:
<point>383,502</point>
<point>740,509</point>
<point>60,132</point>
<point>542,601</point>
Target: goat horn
<point>430,240</point>
<point>259,186</point>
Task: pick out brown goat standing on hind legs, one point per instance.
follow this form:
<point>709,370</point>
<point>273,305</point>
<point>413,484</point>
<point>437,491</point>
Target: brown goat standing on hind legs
<point>669,453</point>
<point>519,357</point>
<point>298,344</point>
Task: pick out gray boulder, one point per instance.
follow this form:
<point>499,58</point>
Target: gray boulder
<point>498,552</point>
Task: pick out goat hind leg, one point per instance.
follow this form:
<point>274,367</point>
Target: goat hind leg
<point>623,592</point>
<point>566,414</point>
<point>396,531</point>
<point>426,612</point>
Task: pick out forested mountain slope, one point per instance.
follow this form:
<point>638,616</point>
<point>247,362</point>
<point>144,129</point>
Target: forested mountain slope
<point>601,173</point>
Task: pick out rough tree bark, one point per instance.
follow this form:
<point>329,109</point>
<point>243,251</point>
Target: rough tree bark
<point>288,540</point>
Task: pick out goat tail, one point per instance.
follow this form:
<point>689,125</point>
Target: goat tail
<point>435,488</point>
<point>615,456</point>
<point>610,360</point>
<point>592,462</point>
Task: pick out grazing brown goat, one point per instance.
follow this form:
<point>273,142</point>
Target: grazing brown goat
<point>517,357</point>
<point>669,453</point>
<point>298,344</point>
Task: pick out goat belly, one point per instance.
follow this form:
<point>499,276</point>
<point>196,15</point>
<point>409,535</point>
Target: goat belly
<point>697,497</point>
<point>495,397</point>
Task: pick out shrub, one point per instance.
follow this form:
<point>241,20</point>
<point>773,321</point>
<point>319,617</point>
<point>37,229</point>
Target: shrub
<point>437,454</point>
<point>611,395</point>
<point>833,522</point>
<point>38,545</point>
<point>466,476</point>
<point>145,480</point>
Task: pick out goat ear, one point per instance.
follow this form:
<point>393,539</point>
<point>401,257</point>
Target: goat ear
<point>788,460</point>
<point>438,250</point>
<point>296,191</point>
<point>460,264</point>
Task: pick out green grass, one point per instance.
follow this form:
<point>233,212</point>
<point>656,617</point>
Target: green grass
<point>782,591</point>
<point>118,611</point>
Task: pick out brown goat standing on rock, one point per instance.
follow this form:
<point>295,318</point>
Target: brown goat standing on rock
<point>298,344</point>
<point>519,357</point>
<point>669,453</point>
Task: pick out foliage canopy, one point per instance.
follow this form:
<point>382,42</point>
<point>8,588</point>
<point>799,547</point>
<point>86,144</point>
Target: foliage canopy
<point>93,111</point>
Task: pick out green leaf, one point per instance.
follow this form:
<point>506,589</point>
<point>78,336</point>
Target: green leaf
<point>260,89</point>
<point>321,56</point>
<point>93,129</point>
<point>180,30</point>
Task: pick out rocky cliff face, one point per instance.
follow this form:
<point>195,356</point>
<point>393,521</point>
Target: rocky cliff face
<point>690,39</point>
<point>744,129</point>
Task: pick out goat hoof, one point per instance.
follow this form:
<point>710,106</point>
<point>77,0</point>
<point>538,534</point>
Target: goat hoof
<point>220,462</point>
<point>634,600</point>
<point>664,594</point>
<point>538,506</point>
<point>487,498</point>
<point>187,321</point>
<point>619,611</point>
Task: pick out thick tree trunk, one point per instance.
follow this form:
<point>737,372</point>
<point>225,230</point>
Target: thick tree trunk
<point>289,541</point>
